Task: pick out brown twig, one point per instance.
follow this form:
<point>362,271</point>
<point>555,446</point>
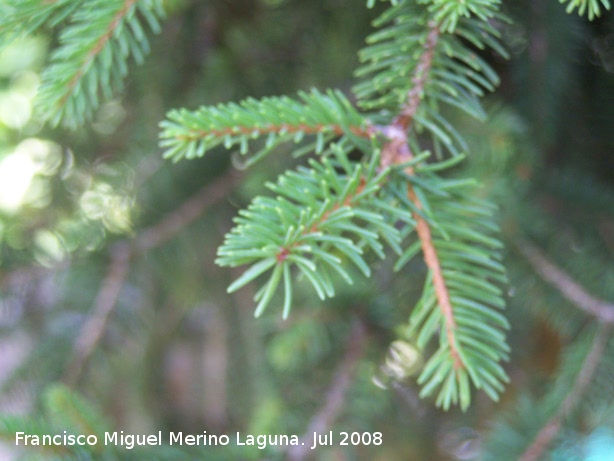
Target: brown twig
<point>286,128</point>
<point>419,79</point>
<point>568,287</point>
<point>549,431</point>
<point>396,151</point>
<point>121,255</point>
<point>601,310</point>
<point>335,396</point>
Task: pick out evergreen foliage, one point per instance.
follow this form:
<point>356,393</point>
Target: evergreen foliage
<point>189,134</point>
<point>21,18</point>
<point>91,61</point>
<point>415,61</point>
<point>590,7</point>
<point>456,76</point>
<point>387,185</point>
<point>317,216</point>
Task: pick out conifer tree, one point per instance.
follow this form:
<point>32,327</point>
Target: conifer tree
<point>389,176</point>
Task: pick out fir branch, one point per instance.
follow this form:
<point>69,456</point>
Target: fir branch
<point>464,346</point>
<point>335,395</point>
<point>320,212</point>
<point>601,310</point>
<point>589,367</point>
<point>400,153</point>
<point>339,207</point>
<point>386,60</point>
<point>96,48</point>
<point>397,152</point>
<point>190,134</point>
<point>441,290</point>
<point>460,298</point>
<point>92,57</point>
<point>453,73</point>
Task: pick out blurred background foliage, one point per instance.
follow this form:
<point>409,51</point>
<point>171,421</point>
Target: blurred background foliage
<point>176,352</point>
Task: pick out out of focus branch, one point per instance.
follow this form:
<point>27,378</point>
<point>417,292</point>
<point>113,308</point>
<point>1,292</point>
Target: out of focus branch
<point>335,396</point>
<point>123,252</point>
<point>597,308</point>
<point>550,430</point>
<point>568,287</point>
<point>94,327</point>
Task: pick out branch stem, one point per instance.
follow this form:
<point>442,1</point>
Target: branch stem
<point>601,310</point>
<point>395,152</point>
<point>414,96</point>
<point>285,251</point>
<point>195,135</point>
<point>432,261</point>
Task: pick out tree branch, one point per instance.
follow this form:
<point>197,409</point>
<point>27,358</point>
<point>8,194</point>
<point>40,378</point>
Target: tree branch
<point>414,96</point>
<point>396,151</point>
<point>550,430</point>
<point>601,310</point>
<point>335,396</point>
<point>121,255</point>
<point>441,290</point>
<point>285,128</point>
<point>568,287</point>
<point>285,251</point>
<point>95,50</point>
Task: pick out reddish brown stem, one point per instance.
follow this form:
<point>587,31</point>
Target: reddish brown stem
<point>278,129</point>
<point>396,151</point>
<point>414,96</point>
<point>432,261</point>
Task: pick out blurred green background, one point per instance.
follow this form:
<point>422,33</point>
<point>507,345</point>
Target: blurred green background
<point>83,213</point>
